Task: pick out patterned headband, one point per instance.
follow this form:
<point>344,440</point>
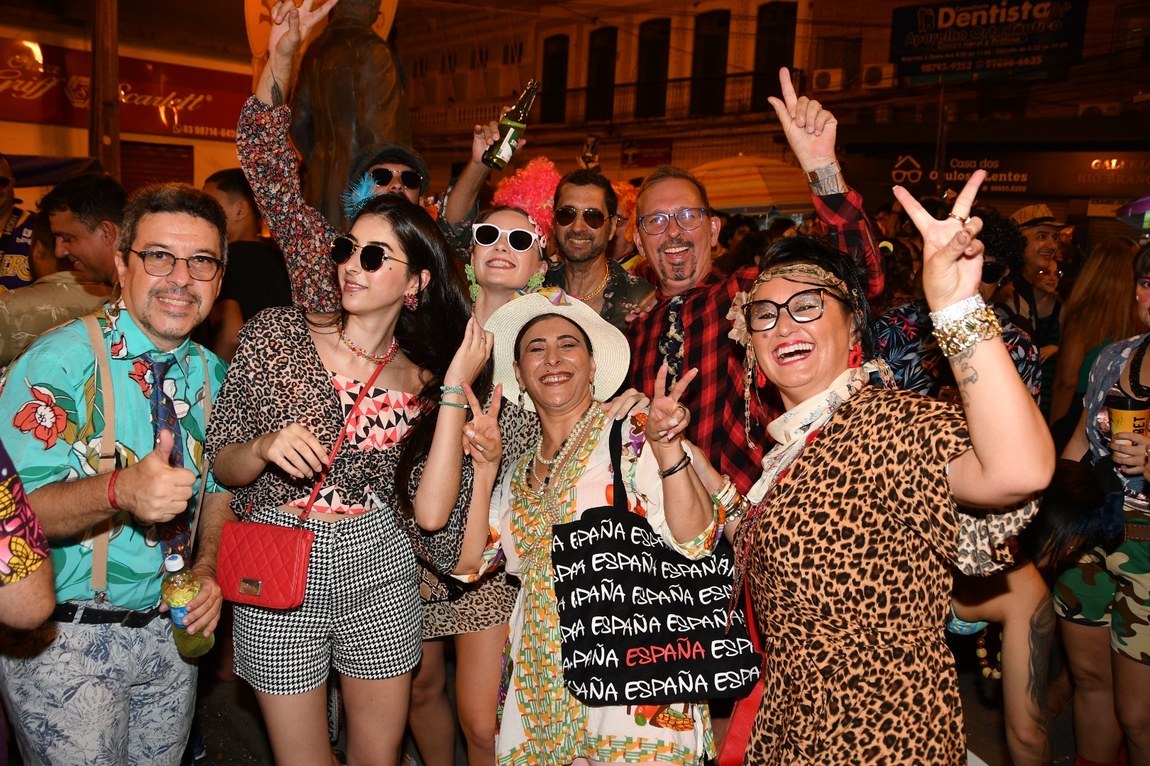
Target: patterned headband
<point>803,273</point>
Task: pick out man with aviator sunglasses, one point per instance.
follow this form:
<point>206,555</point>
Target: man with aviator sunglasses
<point>585,205</point>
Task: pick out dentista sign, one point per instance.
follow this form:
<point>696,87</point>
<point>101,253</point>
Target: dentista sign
<point>954,42</point>
<point>985,15</point>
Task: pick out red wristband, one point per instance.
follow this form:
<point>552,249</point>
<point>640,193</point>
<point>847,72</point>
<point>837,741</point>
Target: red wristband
<point>112,491</point>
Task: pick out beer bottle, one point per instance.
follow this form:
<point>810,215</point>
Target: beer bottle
<point>511,127</point>
<point>179,587</point>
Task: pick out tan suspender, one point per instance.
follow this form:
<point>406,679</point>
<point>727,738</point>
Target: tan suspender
<point>107,462</point>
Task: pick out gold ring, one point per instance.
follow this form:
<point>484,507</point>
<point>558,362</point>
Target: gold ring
<point>961,219</point>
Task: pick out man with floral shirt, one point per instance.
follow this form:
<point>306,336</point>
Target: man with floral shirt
<point>102,681</point>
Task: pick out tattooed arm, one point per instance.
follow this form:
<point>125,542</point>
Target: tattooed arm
<point>1013,455</point>
<point>1020,601</point>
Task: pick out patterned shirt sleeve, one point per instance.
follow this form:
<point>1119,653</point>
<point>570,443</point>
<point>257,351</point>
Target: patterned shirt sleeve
<point>23,546</point>
<point>303,234</point>
<point>458,234</point>
<point>851,233</point>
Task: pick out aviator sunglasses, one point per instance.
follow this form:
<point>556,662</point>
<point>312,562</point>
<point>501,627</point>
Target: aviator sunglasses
<point>488,234</point>
<point>371,257</point>
<point>409,178</point>
<point>565,216</point>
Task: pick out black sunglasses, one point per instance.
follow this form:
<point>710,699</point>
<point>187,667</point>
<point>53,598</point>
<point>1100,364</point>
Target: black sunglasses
<point>5,182</point>
<point>371,257</point>
<point>993,271</point>
<point>487,234</point>
<point>565,216</point>
<point>409,178</point>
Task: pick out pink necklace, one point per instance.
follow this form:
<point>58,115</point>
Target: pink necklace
<point>363,353</point>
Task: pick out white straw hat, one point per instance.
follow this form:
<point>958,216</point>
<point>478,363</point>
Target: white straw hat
<point>609,347</point>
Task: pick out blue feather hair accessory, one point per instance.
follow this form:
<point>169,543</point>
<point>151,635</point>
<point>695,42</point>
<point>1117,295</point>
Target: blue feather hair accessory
<point>356,195</point>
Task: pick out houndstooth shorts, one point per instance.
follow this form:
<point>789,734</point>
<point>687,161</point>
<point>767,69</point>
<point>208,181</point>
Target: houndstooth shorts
<point>361,611</point>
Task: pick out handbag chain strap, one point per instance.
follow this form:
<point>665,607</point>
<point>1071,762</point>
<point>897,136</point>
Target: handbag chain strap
<point>339,441</point>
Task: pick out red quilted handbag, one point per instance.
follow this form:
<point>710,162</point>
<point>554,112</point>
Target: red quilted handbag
<point>266,564</point>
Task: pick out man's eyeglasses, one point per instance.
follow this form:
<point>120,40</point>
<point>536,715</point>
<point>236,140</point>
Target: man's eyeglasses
<point>5,182</point>
<point>160,263</point>
<point>487,234</point>
<point>805,306</point>
<point>371,257</point>
<point>1050,272</point>
<point>689,219</point>
<point>409,178</point>
<point>565,216</point>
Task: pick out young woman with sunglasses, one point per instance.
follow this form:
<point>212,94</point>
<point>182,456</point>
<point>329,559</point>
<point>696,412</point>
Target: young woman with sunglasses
<point>290,391</point>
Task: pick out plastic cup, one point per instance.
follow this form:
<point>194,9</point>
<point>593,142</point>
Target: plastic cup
<point>1130,416</point>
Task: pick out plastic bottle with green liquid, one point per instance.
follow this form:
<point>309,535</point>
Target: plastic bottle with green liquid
<point>179,587</point>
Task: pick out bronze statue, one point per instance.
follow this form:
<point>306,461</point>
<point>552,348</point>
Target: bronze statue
<point>351,95</point>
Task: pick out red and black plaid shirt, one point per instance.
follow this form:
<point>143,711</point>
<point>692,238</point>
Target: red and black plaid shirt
<point>715,397</point>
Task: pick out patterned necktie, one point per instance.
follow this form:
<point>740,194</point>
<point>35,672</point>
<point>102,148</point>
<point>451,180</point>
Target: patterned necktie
<point>173,534</point>
<point>671,343</point>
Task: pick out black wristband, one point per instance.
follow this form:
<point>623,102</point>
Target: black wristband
<point>676,467</point>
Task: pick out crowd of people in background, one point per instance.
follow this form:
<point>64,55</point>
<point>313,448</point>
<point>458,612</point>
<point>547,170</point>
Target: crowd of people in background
<point>866,409</point>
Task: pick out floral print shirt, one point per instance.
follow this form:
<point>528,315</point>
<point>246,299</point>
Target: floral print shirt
<point>23,547</point>
<point>904,338</point>
<point>52,423</point>
<point>303,234</point>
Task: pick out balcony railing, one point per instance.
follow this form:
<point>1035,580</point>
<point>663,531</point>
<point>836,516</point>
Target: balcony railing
<point>666,100</point>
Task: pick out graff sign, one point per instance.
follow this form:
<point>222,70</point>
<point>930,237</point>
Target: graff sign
<point>50,85</point>
<point>975,40</point>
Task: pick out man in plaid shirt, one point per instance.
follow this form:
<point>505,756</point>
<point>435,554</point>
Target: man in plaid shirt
<point>688,325</point>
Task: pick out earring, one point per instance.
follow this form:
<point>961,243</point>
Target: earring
<point>534,283</point>
<point>760,376</point>
<point>856,357</point>
<point>411,301</point>
<point>522,399</point>
<point>592,389</point>
<point>472,284</point>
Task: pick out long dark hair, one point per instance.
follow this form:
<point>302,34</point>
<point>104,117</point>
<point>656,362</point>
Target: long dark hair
<point>429,335</point>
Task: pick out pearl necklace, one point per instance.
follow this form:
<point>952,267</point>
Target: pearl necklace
<point>363,353</point>
<point>573,441</point>
<point>596,291</point>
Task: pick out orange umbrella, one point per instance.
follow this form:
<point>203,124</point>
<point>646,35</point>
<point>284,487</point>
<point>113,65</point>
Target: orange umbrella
<point>748,184</point>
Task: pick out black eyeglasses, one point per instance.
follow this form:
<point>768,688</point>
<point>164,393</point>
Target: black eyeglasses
<point>409,178</point>
<point>488,234</point>
<point>161,263</point>
<point>5,182</point>
<point>371,257</point>
<point>805,306</point>
<point>565,216</point>
<point>689,219</point>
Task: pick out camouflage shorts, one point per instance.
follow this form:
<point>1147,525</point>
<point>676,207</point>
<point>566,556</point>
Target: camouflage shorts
<point>1111,589</point>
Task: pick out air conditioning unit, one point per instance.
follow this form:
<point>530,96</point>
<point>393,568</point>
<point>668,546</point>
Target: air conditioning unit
<point>875,76</point>
<point>1099,109</point>
<point>828,80</point>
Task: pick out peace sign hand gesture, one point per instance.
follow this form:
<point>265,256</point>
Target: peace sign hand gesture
<point>481,437</point>
<point>291,25</point>
<point>667,417</point>
<point>951,254</point>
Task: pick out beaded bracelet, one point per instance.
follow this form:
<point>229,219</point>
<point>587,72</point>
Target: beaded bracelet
<point>726,494</point>
<point>456,405</point>
<point>683,462</point>
<point>740,508</point>
<point>452,390</point>
<point>966,331</point>
<point>957,310</point>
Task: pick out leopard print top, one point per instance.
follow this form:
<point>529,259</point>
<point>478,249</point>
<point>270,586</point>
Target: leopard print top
<point>849,569</point>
